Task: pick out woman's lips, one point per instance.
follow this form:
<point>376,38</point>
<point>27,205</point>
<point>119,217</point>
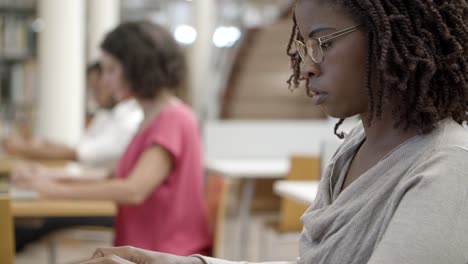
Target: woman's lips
<point>318,97</point>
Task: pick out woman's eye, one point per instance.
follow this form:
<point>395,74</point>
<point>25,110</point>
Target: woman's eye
<point>326,45</point>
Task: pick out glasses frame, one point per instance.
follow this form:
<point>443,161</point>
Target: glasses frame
<point>321,43</point>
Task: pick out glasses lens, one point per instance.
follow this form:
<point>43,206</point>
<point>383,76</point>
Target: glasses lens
<point>315,50</point>
<point>301,49</point>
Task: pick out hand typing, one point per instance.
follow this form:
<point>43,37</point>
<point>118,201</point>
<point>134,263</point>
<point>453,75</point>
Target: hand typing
<point>127,254</point>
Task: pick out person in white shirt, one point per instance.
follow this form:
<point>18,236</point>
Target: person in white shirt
<point>106,137</point>
<point>109,133</point>
<point>104,140</point>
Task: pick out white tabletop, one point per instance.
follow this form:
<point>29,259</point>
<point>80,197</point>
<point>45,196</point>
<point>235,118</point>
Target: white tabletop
<point>249,168</point>
<point>300,191</point>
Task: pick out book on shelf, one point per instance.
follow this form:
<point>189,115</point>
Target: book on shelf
<point>17,38</point>
<point>18,85</point>
<point>18,78</point>
<point>6,4</point>
<point>17,98</point>
<point>23,83</point>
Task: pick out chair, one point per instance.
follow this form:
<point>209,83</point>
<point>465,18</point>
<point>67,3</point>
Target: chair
<point>6,231</point>
<point>284,231</point>
<point>305,168</point>
<point>215,192</point>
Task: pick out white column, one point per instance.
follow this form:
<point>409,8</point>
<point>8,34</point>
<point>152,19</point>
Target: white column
<point>200,58</point>
<point>103,16</point>
<point>61,60</point>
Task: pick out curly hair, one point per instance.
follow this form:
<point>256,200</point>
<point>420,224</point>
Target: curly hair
<point>150,57</point>
<point>418,53</point>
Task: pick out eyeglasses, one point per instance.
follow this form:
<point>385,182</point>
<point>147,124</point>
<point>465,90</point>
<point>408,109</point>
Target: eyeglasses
<point>314,46</point>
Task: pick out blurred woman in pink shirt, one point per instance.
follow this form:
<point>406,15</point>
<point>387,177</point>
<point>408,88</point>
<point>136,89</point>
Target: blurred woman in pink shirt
<point>157,182</point>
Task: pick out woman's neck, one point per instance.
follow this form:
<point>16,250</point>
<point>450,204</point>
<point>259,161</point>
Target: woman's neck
<point>382,133</point>
<point>150,106</point>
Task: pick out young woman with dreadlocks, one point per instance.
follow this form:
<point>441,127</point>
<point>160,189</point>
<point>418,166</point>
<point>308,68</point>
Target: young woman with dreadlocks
<point>396,190</point>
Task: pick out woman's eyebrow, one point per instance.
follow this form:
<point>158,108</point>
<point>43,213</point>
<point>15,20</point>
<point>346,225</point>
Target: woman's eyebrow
<point>315,31</point>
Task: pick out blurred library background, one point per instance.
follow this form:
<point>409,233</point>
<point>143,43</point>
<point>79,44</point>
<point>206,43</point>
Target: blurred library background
<point>45,46</point>
<point>18,68</point>
<point>236,54</point>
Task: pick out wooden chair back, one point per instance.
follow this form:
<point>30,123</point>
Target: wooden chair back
<point>216,189</point>
<point>302,168</point>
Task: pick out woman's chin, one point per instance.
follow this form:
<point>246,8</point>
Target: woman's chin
<point>336,113</point>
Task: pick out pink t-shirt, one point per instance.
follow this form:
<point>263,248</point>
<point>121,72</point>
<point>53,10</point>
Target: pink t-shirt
<point>172,218</point>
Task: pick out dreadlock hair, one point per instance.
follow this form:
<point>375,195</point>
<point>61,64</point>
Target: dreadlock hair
<point>418,53</point>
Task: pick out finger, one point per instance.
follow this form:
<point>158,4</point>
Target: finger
<point>125,252</point>
<point>36,167</point>
<point>23,185</point>
<point>21,174</point>
<point>111,259</point>
<point>41,171</point>
<point>21,168</point>
<point>97,254</point>
<point>17,175</point>
<point>102,252</point>
<point>27,171</point>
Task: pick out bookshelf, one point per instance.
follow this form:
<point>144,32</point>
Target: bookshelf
<point>18,69</point>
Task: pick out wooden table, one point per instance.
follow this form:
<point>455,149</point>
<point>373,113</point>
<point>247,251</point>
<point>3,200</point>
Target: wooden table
<point>251,168</point>
<point>61,208</point>
<point>8,163</point>
<point>31,208</point>
<point>300,191</point>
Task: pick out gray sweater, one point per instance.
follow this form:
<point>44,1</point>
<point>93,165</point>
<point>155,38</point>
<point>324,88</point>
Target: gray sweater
<point>411,207</point>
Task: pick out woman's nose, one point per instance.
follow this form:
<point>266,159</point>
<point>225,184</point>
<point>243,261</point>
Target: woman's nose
<point>309,69</point>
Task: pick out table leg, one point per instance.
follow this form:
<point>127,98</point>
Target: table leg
<point>244,216</point>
